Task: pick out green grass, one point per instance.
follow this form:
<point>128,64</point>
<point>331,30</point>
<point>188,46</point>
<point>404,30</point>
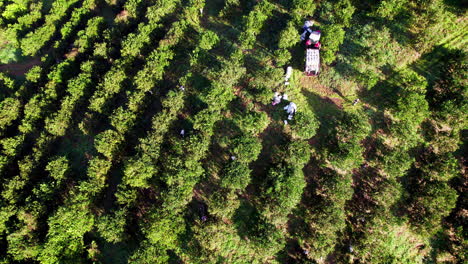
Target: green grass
<point>9,54</point>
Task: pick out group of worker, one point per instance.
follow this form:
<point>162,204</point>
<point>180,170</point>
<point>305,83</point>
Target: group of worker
<point>311,39</point>
<point>291,107</point>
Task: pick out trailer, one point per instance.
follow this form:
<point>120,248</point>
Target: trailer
<point>312,62</point>
<point>312,46</point>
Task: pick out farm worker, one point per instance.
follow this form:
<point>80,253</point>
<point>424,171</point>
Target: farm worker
<point>288,73</point>
<point>276,99</point>
<point>356,101</point>
<point>308,44</point>
<point>285,97</point>
<point>182,132</point>
<point>203,212</point>
<point>290,109</point>
<point>306,34</point>
<point>308,23</point>
<point>303,36</point>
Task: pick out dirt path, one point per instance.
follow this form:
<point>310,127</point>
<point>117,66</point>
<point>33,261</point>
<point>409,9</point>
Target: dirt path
<point>19,69</point>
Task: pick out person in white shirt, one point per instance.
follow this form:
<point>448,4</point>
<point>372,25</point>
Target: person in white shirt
<point>276,99</point>
<point>291,110</point>
<point>308,23</point>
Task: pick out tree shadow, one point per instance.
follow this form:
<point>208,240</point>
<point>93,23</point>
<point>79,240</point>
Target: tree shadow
<point>235,15</point>
<point>400,30</point>
<point>252,63</point>
<point>384,94</point>
<point>325,111</point>
<point>297,56</point>
<point>456,6</point>
<point>174,258</point>
<point>273,139</point>
<point>223,50</point>
<point>269,34</point>
<point>226,32</point>
<point>367,182</point>
<point>213,7</point>
<point>292,253</point>
<point>439,66</point>
<point>115,253</point>
<point>286,4</point>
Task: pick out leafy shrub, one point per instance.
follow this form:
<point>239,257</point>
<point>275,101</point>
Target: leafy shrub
<point>22,245</point>
<point>288,37</point>
<point>15,9</point>
<point>12,145</point>
<point>298,153</point>
<point>34,41</point>
<point>389,8</point>
<point>388,244</point>
<point>58,168</point>
<point>332,38</point>
<point>284,191</point>
<point>252,122</point>
<point>301,9</point>
<point>338,12</point>
<point>65,235</point>
<point>150,253</point>
<point>429,204</point>
<point>138,171</point>
<point>282,57</point>
<point>122,119</point>
<point>236,175</point>
<point>108,142</point>
<point>325,218</point>
<point>263,81</point>
<point>9,111</point>
<point>97,171</point>
<point>87,36</point>
<point>208,40</point>
<point>343,144</point>
<point>253,23</point>
<point>112,226</point>
<point>305,124</point>
<point>246,148</point>
<point>9,53</point>
<point>223,204</point>
<point>165,230</point>
<point>34,74</point>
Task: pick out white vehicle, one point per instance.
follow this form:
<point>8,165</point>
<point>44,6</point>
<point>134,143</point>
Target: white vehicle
<point>312,62</point>
<point>312,46</point>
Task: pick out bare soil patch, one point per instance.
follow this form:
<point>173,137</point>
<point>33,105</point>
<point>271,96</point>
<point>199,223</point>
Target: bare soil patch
<point>312,84</point>
<point>333,100</point>
<point>122,15</point>
<point>20,68</point>
<point>72,53</point>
